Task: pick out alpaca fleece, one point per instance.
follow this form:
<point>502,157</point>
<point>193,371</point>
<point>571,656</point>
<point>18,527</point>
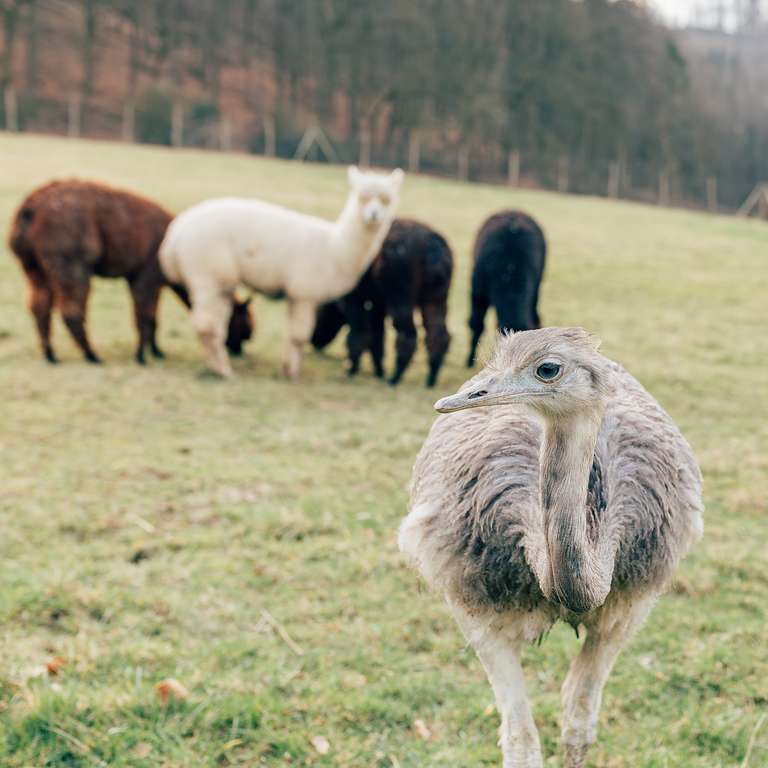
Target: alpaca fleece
<point>509,256</point>
<point>412,270</point>
<point>67,231</point>
<point>214,246</point>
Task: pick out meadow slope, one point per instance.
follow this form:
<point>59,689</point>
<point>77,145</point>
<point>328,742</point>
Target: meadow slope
<point>150,517</point>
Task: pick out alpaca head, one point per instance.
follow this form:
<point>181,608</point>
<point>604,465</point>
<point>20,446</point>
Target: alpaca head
<point>556,372</point>
<point>240,326</point>
<point>376,194</point>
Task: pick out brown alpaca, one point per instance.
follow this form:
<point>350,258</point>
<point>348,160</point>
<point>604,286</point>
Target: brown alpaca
<point>67,231</point>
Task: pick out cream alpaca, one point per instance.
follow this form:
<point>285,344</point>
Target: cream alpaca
<point>217,244</point>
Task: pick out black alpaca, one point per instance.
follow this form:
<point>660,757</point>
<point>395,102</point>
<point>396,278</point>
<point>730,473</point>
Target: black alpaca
<point>412,270</point>
<point>509,259</point>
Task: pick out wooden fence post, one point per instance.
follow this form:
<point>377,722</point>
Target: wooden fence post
<point>663,188</point>
<point>364,159</point>
<point>129,121</point>
<point>712,194</point>
<point>74,115</point>
<point>270,137</point>
<point>414,151</point>
<point>614,175</point>
<point>463,163</point>
<point>225,134</point>
<point>177,124</point>
<point>513,169</point>
<point>11,109</point>
<point>562,174</point>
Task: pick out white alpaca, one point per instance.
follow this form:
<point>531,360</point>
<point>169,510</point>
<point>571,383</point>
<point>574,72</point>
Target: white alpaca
<point>217,244</point>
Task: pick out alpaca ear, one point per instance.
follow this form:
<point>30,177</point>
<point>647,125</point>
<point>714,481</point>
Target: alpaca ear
<point>353,175</point>
<point>397,176</point>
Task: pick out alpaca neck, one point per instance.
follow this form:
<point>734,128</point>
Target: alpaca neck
<point>355,243</point>
<point>580,570</point>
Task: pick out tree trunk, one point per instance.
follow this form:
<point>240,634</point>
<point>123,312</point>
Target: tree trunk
<point>10,19</point>
<point>89,46</point>
<point>32,48</point>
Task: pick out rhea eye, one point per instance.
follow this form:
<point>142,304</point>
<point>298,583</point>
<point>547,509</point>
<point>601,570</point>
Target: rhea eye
<point>548,371</point>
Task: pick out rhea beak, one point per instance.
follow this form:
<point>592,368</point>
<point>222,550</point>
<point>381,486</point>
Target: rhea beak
<point>481,395</point>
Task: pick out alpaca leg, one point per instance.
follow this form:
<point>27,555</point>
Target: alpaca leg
<point>40,305</point>
<point>499,654</point>
<point>210,314</point>
<point>358,338</point>
<point>583,687</point>
<point>405,346</point>
<point>376,320</point>
<point>438,338</point>
<point>72,301</point>
<point>145,292</point>
<point>476,323</point>
<point>301,321</point>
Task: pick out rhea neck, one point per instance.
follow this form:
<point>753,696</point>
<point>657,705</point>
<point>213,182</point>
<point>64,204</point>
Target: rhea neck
<point>580,568</point>
<point>356,242</point>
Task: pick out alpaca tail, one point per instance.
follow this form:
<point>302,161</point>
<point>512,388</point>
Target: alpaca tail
<point>18,241</point>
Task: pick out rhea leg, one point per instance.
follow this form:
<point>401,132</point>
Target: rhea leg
<point>438,338</point>
<point>40,305</point>
<point>499,653</point>
<point>301,321</point>
<point>583,687</point>
<point>210,315</point>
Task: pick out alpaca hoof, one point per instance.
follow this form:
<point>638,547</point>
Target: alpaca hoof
<point>470,362</point>
<point>93,358</point>
<point>51,357</point>
<point>394,381</point>
<point>140,359</point>
<point>158,353</point>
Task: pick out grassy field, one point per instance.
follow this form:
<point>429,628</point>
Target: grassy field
<point>150,517</point>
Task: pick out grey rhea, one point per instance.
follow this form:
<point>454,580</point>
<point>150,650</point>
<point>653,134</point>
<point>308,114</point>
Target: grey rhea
<point>559,490</point>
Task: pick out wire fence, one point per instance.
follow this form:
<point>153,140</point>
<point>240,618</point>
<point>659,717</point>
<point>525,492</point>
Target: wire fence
<point>155,119</point>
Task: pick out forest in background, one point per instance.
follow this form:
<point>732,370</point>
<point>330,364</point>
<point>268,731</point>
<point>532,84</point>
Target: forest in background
<point>590,97</point>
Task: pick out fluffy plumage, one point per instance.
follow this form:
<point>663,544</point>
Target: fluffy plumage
<point>577,505</point>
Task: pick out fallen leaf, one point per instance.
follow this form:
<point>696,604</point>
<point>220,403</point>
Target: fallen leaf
<point>54,665</point>
<point>422,731</point>
<point>321,744</point>
<point>171,688</point>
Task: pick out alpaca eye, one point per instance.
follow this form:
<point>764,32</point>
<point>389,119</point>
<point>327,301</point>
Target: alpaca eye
<point>548,371</point>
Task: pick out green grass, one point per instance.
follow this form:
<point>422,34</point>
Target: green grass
<point>150,516</point>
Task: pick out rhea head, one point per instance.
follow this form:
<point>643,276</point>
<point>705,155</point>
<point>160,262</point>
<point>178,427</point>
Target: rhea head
<point>552,371</point>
